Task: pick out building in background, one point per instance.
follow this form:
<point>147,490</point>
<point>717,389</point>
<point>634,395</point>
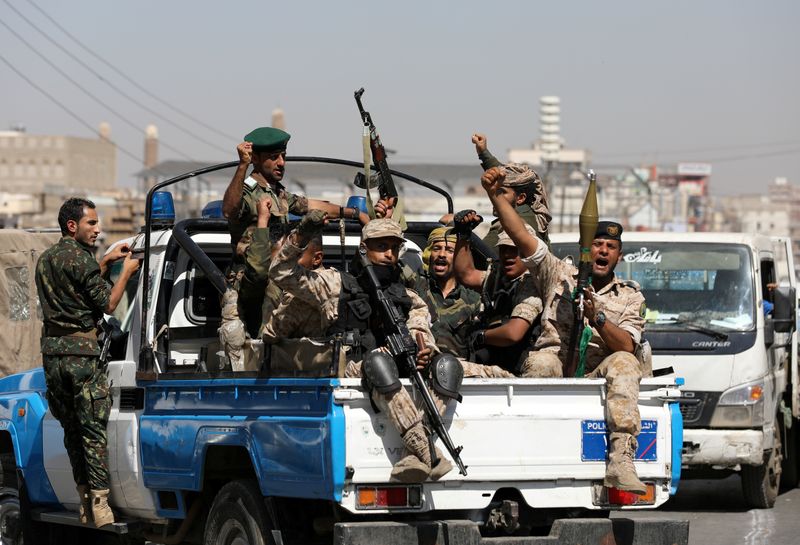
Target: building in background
<point>32,163</point>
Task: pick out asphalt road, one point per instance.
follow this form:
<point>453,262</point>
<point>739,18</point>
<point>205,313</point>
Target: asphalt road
<point>718,516</point>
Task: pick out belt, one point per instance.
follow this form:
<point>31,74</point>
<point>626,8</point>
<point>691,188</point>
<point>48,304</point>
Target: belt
<point>56,331</point>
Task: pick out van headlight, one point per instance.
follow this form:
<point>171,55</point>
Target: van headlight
<point>740,407</point>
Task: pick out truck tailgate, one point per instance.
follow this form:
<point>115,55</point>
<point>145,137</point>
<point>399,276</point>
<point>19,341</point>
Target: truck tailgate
<point>539,436</point>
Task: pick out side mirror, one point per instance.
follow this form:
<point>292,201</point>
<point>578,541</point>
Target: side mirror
<point>769,331</point>
<point>783,315</point>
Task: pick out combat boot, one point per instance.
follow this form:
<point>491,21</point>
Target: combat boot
<point>415,465</point>
<point>101,511</point>
<point>442,467</point>
<point>621,473</point>
<point>85,505</point>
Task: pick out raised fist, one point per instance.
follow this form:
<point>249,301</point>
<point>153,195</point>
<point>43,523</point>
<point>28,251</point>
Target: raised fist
<point>312,223</point>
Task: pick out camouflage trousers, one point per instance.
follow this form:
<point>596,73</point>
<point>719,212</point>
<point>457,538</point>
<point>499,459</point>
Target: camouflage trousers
<point>622,372</point>
<point>399,406</point>
<point>78,397</point>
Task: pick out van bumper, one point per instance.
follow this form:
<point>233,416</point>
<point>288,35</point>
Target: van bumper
<point>723,447</point>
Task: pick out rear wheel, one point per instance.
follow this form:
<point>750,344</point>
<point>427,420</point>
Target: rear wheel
<point>238,516</point>
<point>760,484</point>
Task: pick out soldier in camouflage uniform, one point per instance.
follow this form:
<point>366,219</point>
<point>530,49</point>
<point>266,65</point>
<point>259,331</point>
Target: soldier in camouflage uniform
<point>74,295</point>
<point>527,193</point>
<point>614,310</point>
<point>452,306</point>
<point>337,296</point>
<point>265,149</point>
<point>512,305</point>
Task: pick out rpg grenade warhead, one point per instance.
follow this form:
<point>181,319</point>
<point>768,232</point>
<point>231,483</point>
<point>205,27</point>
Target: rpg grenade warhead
<point>588,218</point>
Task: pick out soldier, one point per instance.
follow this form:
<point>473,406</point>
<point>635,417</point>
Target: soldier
<point>511,303</point>
<point>451,305</point>
<point>527,193</point>
<point>265,149</point>
<point>74,295</point>
<point>614,310</point>
<point>343,304</point>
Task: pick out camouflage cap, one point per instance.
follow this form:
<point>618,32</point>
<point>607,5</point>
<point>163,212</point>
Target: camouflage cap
<point>440,234</point>
<point>382,227</point>
<point>267,139</point>
<point>504,240</point>
<point>519,175</point>
<point>609,229</point>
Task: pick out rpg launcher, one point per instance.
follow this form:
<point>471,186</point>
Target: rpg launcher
<point>588,227</point>
<point>386,187</point>
<point>403,349</point>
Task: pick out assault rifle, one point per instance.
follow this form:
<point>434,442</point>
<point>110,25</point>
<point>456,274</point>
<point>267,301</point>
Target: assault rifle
<point>403,349</point>
<point>587,222</point>
<point>386,187</point>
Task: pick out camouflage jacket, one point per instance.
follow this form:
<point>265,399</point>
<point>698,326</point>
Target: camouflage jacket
<point>73,296</point>
<point>621,301</point>
<point>244,224</point>
<point>451,315</point>
<point>320,295</point>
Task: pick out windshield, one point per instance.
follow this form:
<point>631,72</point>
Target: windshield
<point>690,286</point>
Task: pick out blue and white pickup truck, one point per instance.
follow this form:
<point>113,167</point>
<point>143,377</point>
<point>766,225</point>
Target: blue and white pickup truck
<point>200,453</point>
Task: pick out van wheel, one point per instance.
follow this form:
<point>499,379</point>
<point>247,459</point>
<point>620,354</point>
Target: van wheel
<point>238,516</point>
<point>760,484</point>
<point>10,520</point>
<point>790,475</point>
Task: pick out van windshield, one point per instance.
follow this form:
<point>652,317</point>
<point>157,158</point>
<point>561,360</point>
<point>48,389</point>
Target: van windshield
<point>695,286</point>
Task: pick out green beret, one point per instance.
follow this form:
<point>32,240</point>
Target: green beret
<point>609,229</point>
<point>267,139</point>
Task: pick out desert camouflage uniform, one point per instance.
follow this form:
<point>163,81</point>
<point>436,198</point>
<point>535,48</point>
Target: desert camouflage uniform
<point>451,315</point>
<point>249,282</point>
<point>320,293</point>
<point>537,216</point>
<point>624,306</point>
<point>73,296</point>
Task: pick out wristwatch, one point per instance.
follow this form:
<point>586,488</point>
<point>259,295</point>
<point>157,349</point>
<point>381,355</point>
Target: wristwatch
<point>600,319</point>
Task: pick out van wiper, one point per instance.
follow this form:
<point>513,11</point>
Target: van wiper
<point>700,328</point>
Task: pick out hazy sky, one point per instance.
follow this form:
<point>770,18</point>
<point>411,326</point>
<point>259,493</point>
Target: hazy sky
<point>639,82</point>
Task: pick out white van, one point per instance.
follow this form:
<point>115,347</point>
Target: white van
<point>721,313</point>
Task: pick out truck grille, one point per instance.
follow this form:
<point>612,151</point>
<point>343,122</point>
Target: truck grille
<point>697,408</point>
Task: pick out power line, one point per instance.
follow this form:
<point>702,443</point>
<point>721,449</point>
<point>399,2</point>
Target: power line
<point>88,93</point>
<point>131,80</point>
<point>78,118</point>
<point>114,87</point>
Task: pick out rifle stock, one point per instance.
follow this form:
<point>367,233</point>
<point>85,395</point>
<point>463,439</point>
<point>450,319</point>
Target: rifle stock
<point>403,349</point>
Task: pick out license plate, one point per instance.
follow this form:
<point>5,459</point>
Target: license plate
<point>594,441</point>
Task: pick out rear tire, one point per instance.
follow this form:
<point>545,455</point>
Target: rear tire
<point>238,516</point>
<point>760,484</point>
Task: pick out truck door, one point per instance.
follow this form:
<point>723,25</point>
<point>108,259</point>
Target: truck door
<point>785,276</point>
